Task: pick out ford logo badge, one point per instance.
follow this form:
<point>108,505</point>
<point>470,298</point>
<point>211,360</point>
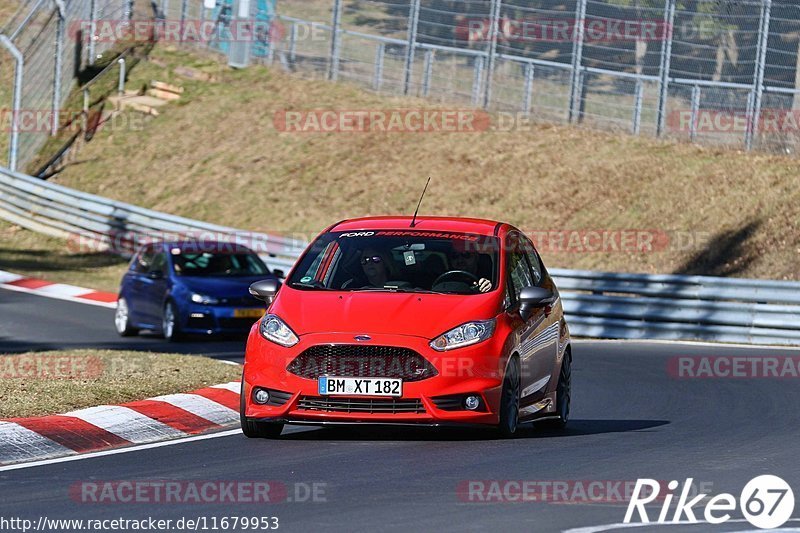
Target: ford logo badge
<point>362,338</point>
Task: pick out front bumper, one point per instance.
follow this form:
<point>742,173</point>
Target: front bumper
<point>218,319</point>
<point>475,369</point>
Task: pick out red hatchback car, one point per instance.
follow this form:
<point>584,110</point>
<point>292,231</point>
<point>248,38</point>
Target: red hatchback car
<point>388,320</point>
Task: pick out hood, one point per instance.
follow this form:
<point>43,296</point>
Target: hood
<point>419,315</point>
<point>221,287</point>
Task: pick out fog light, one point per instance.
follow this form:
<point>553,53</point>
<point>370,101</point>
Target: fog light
<point>472,402</point>
<point>261,396</point>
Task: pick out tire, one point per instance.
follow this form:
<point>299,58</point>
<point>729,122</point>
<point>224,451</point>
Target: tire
<point>122,320</point>
<point>563,395</point>
<point>170,327</point>
<point>509,400</point>
<point>257,430</point>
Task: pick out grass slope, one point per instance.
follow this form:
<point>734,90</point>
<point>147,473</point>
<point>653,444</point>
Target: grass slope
<point>216,156</point>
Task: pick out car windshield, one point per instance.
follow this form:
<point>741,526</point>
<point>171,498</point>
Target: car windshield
<point>217,264</point>
<point>399,261</point>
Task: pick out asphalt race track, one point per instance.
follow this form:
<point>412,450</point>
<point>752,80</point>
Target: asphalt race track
<point>31,322</point>
<point>630,420</point>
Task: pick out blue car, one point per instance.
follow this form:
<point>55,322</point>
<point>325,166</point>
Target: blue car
<point>182,288</point>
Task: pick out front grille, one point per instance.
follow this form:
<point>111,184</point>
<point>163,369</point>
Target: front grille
<point>361,361</point>
<point>360,405</point>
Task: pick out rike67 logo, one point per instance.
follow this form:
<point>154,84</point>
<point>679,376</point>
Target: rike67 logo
<point>767,502</point>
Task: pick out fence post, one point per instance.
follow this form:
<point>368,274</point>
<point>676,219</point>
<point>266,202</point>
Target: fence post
<point>379,57</point>
<point>637,107</point>
<point>492,53</point>
<point>664,66</point>
<point>754,116</point>
<point>128,10</point>
<point>427,73</point>
<point>184,10</point>
<point>477,77</point>
<point>16,105</point>
<point>695,112</point>
<point>527,98</point>
<point>333,63</point>
<point>577,59</point>
<point>92,30</point>
<point>411,47</point>
<point>293,44</point>
<point>58,66</point>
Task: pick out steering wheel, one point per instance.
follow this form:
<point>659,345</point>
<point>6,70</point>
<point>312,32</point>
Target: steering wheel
<point>455,274</point>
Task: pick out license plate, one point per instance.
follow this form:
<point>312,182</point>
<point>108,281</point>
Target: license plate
<point>334,385</point>
<point>248,313</point>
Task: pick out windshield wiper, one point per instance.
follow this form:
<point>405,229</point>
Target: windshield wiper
<point>396,289</point>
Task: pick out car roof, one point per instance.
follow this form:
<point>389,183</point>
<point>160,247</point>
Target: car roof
<point>476,226</point>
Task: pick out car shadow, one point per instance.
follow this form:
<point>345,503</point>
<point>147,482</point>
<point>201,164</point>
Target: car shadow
<point>575,428</point>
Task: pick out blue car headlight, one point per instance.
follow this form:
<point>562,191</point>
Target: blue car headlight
<point>203,299</point>
<point>464,335</point>
<point>275,330</point>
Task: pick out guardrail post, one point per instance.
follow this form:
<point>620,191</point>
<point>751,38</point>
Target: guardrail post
<point>92,31</point>
<point>492,53</point>
<point>16,104</point>
<point>527,95</point>
<point>380,54</point>
<point>664,66</point>
<point>695,112</point>
<point>577,60</point>
<point>754,115</point>
<point>477,78</point>
<point>411,46</point>
<point>122,74</point>
<point>428,73</point>
<point>637,107</point>
<point>333,62</point>
<point>58,67</point>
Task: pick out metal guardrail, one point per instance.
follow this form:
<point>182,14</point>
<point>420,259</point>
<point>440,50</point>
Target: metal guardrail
<point>598,304</point>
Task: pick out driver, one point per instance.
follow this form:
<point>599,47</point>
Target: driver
<point>375,267</point>
<point>463,259</point>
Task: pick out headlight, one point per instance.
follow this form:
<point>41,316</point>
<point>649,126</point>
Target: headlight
<point>274,329</point>
<point>205,300</point>
<point>464,335</point>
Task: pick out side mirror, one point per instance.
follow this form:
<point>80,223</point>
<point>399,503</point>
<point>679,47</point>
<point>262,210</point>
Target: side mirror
<point>278,273</point>
<point>155,274</point>
<point>533,298</point>
<point>265,290</point>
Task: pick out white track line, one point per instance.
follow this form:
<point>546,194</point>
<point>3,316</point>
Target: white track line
<point>585,340</point>
<point>115,451</point>
<point>622,525</point>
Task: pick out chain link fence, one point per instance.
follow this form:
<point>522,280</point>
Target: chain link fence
<point>46,48</point>
<point>722,72</point>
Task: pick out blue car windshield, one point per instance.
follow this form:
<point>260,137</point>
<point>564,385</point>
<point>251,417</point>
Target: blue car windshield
<point>218,264</point>
<point>401,261</point>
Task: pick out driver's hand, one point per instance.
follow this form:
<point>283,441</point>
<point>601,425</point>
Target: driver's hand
<point>484,285</point>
